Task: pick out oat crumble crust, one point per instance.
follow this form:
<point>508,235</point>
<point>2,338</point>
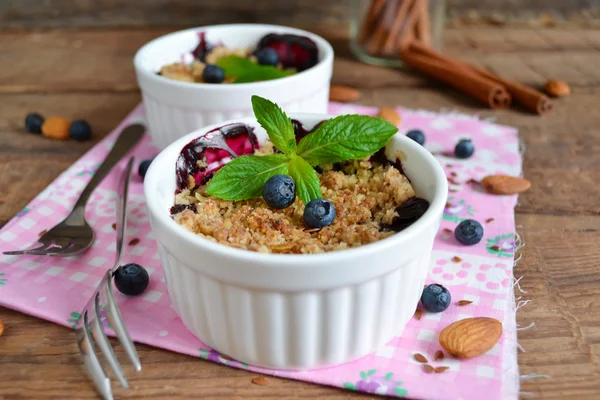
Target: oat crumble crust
<point>365,196</point>
<point>193,72</point>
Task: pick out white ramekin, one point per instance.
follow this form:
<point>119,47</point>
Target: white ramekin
<point>296,311</point>
<point>176,108</point>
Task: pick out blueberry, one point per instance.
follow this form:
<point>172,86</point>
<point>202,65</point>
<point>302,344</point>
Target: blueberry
<point>131,279</point>
<point>469,232</point>
<point>416,135</point>
<point>464,148</point>
<point>267,56</point>
<point>143,168</point>
<point>80,130</point>
<point>33,123</point>
<point>435,298</point>
<point>213,74</point>
<point>279,191</point>
<point>319,213</point>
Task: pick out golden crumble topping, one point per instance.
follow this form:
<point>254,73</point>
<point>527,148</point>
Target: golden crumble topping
<point>365,196</point>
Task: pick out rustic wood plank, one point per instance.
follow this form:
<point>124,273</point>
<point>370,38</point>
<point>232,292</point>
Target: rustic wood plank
<point>559,216</point>
<point>112,13</point>
<point>561,275</point>
<point>30,162</point>
<point>41,360</point>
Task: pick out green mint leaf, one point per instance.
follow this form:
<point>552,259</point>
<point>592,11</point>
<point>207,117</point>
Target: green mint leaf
<point>347,137</point>
<point>245,71</point>
<point>308,186</point>
<point>244,177</point>
<point>278,126</point>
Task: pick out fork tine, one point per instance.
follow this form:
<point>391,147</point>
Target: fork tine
<point>32,250</point>
<point>116,319</point>
<point>103,343</point>
<point>90,360</point>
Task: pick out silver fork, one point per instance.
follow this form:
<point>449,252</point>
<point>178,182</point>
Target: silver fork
<point>89,324</point>
<point>74,235</point>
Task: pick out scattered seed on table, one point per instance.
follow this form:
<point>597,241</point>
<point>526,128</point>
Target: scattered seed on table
<point>134,241</point>
<point>312,230</point>
<point>114,226</point>
<point>428,368</point>
<point>495,248</point>
<point>439,370</point>
<point>487,221</point>
<point>454,174</point>
<point>439,355</point>
<point>420,358</point>
<point>464,302</point>
<point>456,259</point>
<point>473,181</point>
<point>447,230</point>
<point>418,314</point>
<point>260,380</point>
<point>42,233</point>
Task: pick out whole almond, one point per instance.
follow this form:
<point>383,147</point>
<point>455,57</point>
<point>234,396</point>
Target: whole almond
<point>390,115</point>
<point>504,184</point>
<point>557,88</point>
<point>344,94</point>
<point>470,337</point>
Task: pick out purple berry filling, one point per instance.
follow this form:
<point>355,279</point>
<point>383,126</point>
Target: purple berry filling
<point>203,47</point>
<point>214,151</point>
<point>294,51</point>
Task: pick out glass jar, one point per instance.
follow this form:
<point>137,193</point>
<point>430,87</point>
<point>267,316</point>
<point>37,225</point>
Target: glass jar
<point>380,28</point>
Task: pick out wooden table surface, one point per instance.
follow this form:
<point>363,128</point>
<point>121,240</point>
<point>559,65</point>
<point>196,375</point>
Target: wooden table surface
<point>88,74</point>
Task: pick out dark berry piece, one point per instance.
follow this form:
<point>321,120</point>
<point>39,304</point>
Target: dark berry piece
<point>469,232</point>
<point>416,135</point>
<point>268,56</point>
<point>213,74</point>
<point>33,123</point>
<point>319,213</point>
<point>293,51</point>
<point>131,279</point>
<point>279,191</point>
<point>212,148</point>
<point>408,212</point>
<point>177,208</point>
<point>80,130</point>
<point>464,148</point>
<point>143,168</point>
<point>436,298</point>
<point>203,47</point>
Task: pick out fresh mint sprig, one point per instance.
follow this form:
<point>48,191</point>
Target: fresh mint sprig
<point>243,70</point>
<point>347,137</point>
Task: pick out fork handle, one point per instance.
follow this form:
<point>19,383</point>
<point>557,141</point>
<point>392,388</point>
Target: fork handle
<point>124,143</point>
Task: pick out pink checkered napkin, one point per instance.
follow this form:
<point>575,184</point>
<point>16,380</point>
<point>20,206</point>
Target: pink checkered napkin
<point>55,289</point>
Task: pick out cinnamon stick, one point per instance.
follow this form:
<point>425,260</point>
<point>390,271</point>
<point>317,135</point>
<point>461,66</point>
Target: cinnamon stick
<point>423,22</point>
<point>482,89</point>
<point>399,25</point>
<point>529,98</point>
<point>371,16</point>
<point>409,29</point>
<point>381,32</point>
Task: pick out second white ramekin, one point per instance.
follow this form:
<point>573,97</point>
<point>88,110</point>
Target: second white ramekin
<point>175,108</point>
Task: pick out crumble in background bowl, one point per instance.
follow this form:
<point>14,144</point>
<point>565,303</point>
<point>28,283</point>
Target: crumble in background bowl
<point>296,311</point>
<point>175,108</point>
